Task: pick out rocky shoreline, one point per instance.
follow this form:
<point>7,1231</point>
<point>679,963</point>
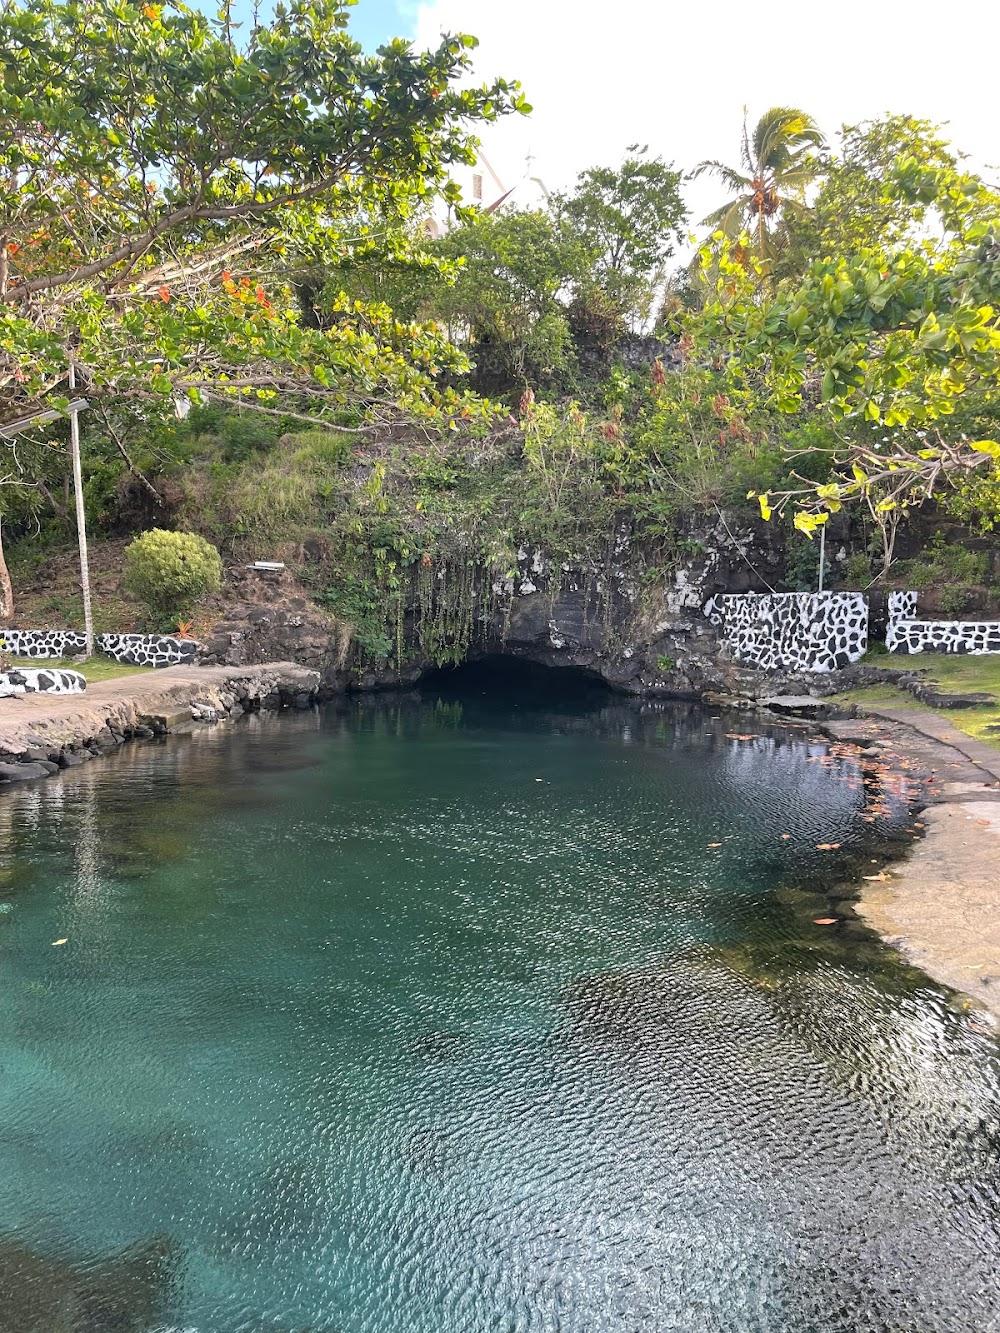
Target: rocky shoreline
<point>940,905</point>
<point>40,734</point>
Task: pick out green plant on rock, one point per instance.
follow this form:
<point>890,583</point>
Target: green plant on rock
<point>857,571</point>
<point>952,572</point>
<point>170,571</point>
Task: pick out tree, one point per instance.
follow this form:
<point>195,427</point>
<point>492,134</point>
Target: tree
<point>511,269</point>
<point>776,164</point>
<point>855,206</point>
<point>890,346</point>
<point>163,182</point>
<point>630,219</point>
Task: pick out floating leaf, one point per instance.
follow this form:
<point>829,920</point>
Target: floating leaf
<point>825,921</point>
<point>55,942</point>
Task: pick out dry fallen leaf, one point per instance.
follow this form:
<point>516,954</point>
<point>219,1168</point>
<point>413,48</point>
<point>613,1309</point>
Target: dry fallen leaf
<point>55,942</point>
<point>825,921</point>
<point>827,846</point>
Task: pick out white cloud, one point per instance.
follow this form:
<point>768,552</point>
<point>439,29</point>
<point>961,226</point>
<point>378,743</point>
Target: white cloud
<point>676,76</point>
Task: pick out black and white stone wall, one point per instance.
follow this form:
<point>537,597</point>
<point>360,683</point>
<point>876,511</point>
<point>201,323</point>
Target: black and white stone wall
<point>43,643</point>
<point>40,681</point>
<point>792,631</point>
<point>906,634</point>
<point>153,650</point>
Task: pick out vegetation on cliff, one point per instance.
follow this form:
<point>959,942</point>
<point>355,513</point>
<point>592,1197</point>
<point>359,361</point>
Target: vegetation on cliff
<point>280,355</point>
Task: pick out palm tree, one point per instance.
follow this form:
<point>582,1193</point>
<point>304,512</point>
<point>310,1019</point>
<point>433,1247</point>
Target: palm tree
<point>776,166</point>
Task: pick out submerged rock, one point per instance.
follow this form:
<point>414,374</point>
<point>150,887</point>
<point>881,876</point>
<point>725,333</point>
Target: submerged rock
<point>127,1293</point>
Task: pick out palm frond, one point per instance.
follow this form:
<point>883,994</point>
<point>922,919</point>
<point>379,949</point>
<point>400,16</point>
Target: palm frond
<point>728,175</point>
<point>782,135</point>
<point>729,218</point>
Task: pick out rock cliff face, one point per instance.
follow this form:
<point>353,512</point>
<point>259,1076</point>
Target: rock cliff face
<point>634,623</point>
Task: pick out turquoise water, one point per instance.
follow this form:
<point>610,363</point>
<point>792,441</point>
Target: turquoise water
<point>447,1014</point>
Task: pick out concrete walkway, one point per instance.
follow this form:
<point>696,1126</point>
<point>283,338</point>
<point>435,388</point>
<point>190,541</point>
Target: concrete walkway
<point>926,723</point>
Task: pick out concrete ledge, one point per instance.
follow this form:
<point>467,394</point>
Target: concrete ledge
<point>67,729</point>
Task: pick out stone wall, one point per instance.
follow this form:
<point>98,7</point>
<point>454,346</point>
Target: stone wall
<point>153,650</point>
<point>32,681</point>
<point>792,631</point>
<point>42,643</point>
<point>906,634</point>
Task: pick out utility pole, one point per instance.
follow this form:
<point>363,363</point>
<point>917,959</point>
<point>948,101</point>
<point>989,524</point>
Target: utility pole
<point>81,518</point>
<point>822,556</point>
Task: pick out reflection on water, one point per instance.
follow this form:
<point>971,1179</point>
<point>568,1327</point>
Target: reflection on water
<point>463,1013</point>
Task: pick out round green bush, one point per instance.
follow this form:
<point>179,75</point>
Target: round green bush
<point>169,571</point>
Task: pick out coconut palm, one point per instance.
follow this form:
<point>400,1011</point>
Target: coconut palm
<point>777,163</point>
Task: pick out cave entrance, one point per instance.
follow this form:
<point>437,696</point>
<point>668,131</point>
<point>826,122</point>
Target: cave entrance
<point>499,675</point>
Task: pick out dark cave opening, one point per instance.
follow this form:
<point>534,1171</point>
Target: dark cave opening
<point>501,674</point>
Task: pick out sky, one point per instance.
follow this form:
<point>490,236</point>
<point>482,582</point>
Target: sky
<point>677,76</point>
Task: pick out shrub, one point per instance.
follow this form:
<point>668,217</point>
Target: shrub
<point>857,570</point>
<point>950,573</point>
<point>169,571</point>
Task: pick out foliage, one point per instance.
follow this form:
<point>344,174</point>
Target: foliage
<point>511,268</point>
<point>857,571</point>
<point>629,220</point>
<point>169,571</point>
<point>951,571</point>
<point>767,190</point>
<point>150,226</point>
<point>886,346</point>
<point>853,208</point>
<point>705,437</point>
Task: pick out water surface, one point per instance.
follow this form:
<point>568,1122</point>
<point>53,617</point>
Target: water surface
<point>456,1014</point>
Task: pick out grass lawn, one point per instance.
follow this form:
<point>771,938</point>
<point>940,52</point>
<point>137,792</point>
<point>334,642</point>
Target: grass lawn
<point>95,668</point>
<point>952,671</point>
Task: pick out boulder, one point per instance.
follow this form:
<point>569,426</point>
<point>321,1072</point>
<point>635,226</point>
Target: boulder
<point>23,772</point>
<point>796,705</point>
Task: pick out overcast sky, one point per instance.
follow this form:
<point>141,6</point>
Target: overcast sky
<point>676,76</point>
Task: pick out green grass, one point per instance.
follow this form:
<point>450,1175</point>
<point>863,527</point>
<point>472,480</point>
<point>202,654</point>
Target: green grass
<point>94,669</point>
<point>951,672</point>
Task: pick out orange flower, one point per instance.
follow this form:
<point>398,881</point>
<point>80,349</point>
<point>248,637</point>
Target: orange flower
<point>12,247</point>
